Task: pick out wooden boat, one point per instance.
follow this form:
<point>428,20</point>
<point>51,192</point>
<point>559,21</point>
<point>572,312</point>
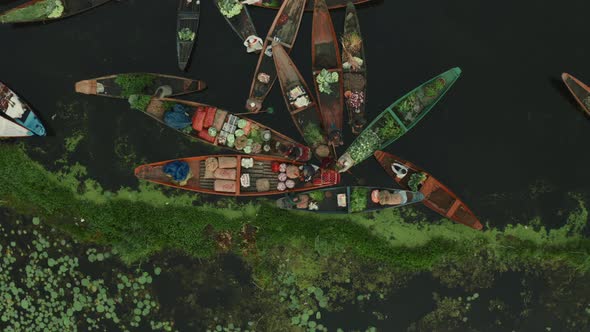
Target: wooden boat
<point>347,200</point>
<point>46,10</point>
<point>398,119</point>
<point>187,25</point>
<point>284,30</point>
<point>275,4</point>
<point>238,17</point>
<point>437,196</point>
<point>125,85</point>
<point>218,127</point>
<point>16,110</point>
<point>300,103</point>
<point>326,63</point>
<point>233,175</point>
<point>580,91</point>
<point>354,67</point>
<point>8,128</point>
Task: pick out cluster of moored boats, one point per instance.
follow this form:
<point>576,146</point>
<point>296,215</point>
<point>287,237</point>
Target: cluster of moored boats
<point>266,162</point>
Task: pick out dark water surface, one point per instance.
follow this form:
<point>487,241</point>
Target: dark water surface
<point>507,124</point>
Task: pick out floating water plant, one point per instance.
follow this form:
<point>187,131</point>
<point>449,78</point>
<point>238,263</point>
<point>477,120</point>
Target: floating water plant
<point>230,8</point>
<point>325,79</point>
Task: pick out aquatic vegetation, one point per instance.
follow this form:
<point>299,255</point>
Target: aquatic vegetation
<point>45,289</point>
<point>132,84</point>
<point>72,142</point>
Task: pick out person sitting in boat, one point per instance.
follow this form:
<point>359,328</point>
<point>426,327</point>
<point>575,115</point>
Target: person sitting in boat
<point>384,197</point>
<point>344,163</point>
<point>253,44</point>
<point>335,137</point>
<point>179,171</point>
<point>289,151</point>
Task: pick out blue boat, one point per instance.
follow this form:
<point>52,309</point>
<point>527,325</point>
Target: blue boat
<point>12,107</point>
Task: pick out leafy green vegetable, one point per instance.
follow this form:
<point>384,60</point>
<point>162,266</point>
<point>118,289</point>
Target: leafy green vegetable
<point>433,89</point>
<point>415,180</point>
<point>364,146</point>
<point>325,79</point>
<point>133,84</point>
<point>317,196</point>
<point>230,8</point>
<point>313,134</point>
<point>390,130</point>
<point>358,199</point>
<point>186,34</point>
<point>139,102</point>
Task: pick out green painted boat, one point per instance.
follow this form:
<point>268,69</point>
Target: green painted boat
<point>343,200</point>
<point>398,119</point>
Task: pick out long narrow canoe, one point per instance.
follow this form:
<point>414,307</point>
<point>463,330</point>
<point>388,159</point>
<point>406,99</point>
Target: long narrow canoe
<point>125,85</point>
<point>349,200</point>
<point>354,70</point>
<point>398,119</point>
<point>236,175</point>
<point>15,109</point>
<point>9,128</point>
<point>300,103</point>
<point>437,196</point>
<point>238,17</point>
<point>46,10</point>
<point>580,91</point>
<point>326,64</point>
<point>218,127</point>
<point>283,30</point>
<point>187,25</point>
<point>276,4</point>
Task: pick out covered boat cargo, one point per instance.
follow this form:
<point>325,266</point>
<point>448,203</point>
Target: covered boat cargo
<point>398,119</point>
<point>125,85</point>
<point>300,103</point>
<point>437,196</point>
<point>187,25</point>
<point>276,4</point>
<point>237,175</point>
<point>348,200</point>
<point>283,30</point>
<point>580,91</point>
<point>46,10</point>
<point>326,64</point>
<point>218,127</point>
<point>16,110</point>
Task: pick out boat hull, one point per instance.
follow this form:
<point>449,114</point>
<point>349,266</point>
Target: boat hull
<point>326,57</point>
<point>70,8</point>
<point>15,109</point>
<point>284,30</point>
<point>355,78</point>
<point>261,169</point>
<point>332,4</point>
<point>330,203</point>
<point>188,16</point>
<point>276,143</point>
<point>241,23</point>
<point>579,90</point>
<point>107,86</point>
<point>398,119</point>
<point>437,196</point>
